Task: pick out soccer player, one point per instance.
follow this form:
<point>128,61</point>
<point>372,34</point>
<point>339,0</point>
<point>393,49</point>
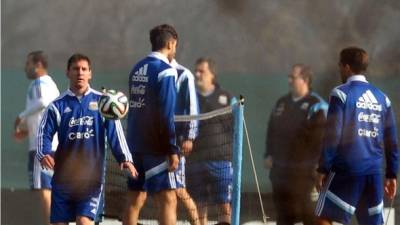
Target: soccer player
<point>360,130</point>
<point>151,128</point>
<point>79,159</point>
<point>293,144</point>
<point>186,104</point>
<point>41,92</point>
<point>210,169</point>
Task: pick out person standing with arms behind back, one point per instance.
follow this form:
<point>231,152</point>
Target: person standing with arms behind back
<point>41,92</point>
<point>294,139</point>
<point>151,129</point>
<point>210,169</point>
<point>361,129</point>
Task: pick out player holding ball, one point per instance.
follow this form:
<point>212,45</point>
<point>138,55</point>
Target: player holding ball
<point>78,162</point>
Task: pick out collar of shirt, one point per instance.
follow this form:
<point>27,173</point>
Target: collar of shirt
<point>159,56</point>
<point>296,99</point>
<point>174,63</point>
<point>208,93</point>
<point>46,76</point>
<point>70,93</point>
<point>178,67</point>
<point>357,77</point>
<point>43,77</point>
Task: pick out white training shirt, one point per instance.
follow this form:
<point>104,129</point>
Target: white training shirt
<point>41,92</point>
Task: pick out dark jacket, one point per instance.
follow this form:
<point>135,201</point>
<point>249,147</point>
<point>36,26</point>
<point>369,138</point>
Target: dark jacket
<point>215,140</point>
<point>294,135</point>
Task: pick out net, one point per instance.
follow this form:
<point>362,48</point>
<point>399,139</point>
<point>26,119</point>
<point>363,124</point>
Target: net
<point>212,171</point>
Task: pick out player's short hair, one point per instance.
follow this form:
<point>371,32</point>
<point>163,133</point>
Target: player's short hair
<point>160,35</point>
<point>306,72</point>
<point>39,56</point>
<point>356,58</point>
<point>76,58</point>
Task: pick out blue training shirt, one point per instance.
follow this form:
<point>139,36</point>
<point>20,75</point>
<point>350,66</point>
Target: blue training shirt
<point>82,132</point>
<point>361,128</point>
<point>152,96</point>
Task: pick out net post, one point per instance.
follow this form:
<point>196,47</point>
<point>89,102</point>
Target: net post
<point>238,109</point>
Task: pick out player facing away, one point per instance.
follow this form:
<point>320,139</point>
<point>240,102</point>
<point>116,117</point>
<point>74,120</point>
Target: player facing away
<point>186,132</point>
<point>360,130</point>
<point>151,128</point>
<point>210,169</point>
<point>79,159</point>
<point>42,90</point>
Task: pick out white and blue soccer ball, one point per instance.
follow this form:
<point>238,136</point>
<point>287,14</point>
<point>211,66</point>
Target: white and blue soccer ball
<point>113,104</point>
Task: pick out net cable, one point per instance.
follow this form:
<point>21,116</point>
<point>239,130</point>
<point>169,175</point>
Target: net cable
<point>255,172</point>
<point>203,116</point>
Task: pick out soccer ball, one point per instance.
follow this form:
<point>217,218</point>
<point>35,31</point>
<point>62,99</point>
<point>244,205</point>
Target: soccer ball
<point>113,104</point>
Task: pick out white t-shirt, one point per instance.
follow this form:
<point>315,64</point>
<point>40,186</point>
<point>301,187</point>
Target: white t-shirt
<point>41,92</point>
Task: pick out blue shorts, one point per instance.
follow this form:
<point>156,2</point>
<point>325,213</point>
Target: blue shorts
<point>100,209</point>
<point>210,181</point>
<point>343,196</point>
<point>153,174</point>
<point>38,178</point>
<point>180,174</point>
<point>65,208</point>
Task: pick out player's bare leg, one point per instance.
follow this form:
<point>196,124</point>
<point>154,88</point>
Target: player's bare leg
<point>322,221</point>
<point>189,204</point>
<point>202,209</point>
<point>45,200</point>
<point>134,203</point>
<point>224,214</point>
<point>167,203</point>
<point>83,220</point>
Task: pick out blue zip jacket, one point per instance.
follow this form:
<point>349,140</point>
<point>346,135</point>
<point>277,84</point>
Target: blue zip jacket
<point>361,128</point>
<point>152,96</point>
<point>82,133</point>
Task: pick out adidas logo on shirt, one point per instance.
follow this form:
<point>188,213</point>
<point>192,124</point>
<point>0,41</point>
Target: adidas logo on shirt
<point>141,74</point>
<point>368,101</point>
<point>67,110</point>
<point>142,71</point>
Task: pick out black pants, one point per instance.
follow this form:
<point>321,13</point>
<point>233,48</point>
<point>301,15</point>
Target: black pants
<point>292,199</point>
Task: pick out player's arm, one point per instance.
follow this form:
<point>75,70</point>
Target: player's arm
<point>332,135</point>
<point>20,129</point>
<point>167,98</point>
<point>47,128</point>
<point>119,147</point>
<point>314,130</point>
<point>391,145</point>
<point>270,140</point>
<point>391,152</point>
<point>192,108</point>
<point>41,101</point>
